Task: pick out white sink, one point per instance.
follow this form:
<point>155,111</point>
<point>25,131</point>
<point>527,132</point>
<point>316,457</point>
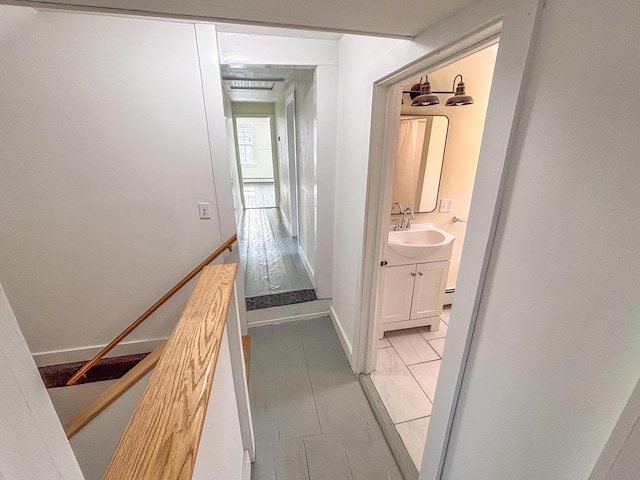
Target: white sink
<point>422,243</point>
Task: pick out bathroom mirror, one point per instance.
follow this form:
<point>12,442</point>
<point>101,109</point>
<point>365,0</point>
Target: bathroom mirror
<point>420,153</point>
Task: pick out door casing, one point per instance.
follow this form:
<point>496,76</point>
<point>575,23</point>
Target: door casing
<point>516,27</point>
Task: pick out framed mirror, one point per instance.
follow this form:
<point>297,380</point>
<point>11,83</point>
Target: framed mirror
<point>420,154</point>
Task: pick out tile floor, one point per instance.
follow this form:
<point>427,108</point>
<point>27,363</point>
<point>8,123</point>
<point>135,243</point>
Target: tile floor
<point>406,377</point>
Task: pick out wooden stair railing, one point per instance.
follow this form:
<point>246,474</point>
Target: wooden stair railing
<point>111,394</point>
<point>80,373</point>
<point>163,435</point>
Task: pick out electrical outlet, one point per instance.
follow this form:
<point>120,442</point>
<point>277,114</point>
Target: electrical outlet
<point>203,210</point>
<point>446,204</point>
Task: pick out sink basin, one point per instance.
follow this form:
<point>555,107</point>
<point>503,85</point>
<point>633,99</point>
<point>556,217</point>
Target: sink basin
<point>422,243</point>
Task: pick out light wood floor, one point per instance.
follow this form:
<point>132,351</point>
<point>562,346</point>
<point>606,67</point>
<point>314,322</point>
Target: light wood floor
<point>310,416</point>
<point>259,195</point>
<point>269,256</point>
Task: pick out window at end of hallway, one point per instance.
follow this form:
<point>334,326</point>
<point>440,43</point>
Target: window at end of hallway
<point>245,145</point>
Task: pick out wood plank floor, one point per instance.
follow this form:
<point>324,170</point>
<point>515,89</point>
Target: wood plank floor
<point>259,195</point>
<point>311,418</point>
<point>269,256</point>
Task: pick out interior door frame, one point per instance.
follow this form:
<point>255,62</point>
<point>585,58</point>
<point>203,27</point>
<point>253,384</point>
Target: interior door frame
<point>516,29</point>
<point>293,163</point>
<point>274,153</point>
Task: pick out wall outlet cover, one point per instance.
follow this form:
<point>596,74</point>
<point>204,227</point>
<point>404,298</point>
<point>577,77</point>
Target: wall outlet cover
<point>446,204</point>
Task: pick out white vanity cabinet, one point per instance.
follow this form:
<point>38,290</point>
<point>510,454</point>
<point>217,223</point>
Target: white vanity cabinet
<point>413,295</point>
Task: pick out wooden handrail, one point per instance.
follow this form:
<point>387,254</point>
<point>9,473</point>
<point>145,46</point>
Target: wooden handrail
<point>111,394</point>
<point>163,435</point>
<point>151,309</point>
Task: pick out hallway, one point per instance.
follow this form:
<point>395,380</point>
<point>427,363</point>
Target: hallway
<point>273,270</point>
<point>310,416</point>
<point>259,195</point>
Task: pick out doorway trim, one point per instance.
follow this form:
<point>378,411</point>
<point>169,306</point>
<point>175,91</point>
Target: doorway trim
<point>293,163</point>
<point>516,29</point>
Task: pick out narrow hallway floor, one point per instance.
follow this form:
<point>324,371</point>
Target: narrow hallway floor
<point>259,195</point>
<point>269,256</point>
<point>311,418</point>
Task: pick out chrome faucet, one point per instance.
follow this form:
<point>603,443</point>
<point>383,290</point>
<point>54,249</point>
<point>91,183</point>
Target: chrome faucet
<point>406,222</point>
<point>396,204</point>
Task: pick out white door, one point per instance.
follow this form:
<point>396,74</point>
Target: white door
<point>428,291</point>
<point>290,113</point>
<point>397,292</point>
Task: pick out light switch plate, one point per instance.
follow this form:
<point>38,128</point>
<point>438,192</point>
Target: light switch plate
<point>204,210</point>
<point>446,204</point>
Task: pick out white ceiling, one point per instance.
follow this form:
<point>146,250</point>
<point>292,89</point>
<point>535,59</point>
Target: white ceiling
<point>394,18</point>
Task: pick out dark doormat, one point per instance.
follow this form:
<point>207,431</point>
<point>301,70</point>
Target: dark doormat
<point>279,299</point>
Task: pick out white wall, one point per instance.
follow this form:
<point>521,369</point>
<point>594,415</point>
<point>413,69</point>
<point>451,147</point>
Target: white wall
<point>95,443</point>
<point>358,70</point>
<point>32,443</point>
<point>233,163</point>
<point>555,356</point>
<point>256,49</point>
<point>283,161</point>
<point>217,458</point>
<point>306,151</point>
<point>245,49</point>
<point>105,154</point>
<point>328,169</point>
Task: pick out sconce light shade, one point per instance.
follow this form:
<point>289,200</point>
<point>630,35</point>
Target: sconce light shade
<point>415,90</point>
<point>425,98</point>
<point>460,97</point>
<point>422,96</point>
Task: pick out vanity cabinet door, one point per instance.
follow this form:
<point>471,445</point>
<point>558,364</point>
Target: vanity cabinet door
<point>397,293</point>
<point>429,288</point>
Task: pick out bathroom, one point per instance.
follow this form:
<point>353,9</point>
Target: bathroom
<point>410,352</point>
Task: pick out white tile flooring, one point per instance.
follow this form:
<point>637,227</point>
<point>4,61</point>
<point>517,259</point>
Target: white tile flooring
<point>405,378</point>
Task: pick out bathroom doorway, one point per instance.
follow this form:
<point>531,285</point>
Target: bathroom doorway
<point>503,113</point>
<point>438,147</point>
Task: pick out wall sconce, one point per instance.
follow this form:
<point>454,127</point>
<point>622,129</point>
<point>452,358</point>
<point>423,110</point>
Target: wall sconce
<point>422,96</point>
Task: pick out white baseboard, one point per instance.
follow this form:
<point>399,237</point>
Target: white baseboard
<point>257,180</point>
<point>82,354</point>
<point>288,313</point>
<point>246,466</point>
<point>285,220</point>
<point>342,335</point>
<point>307,265</point>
